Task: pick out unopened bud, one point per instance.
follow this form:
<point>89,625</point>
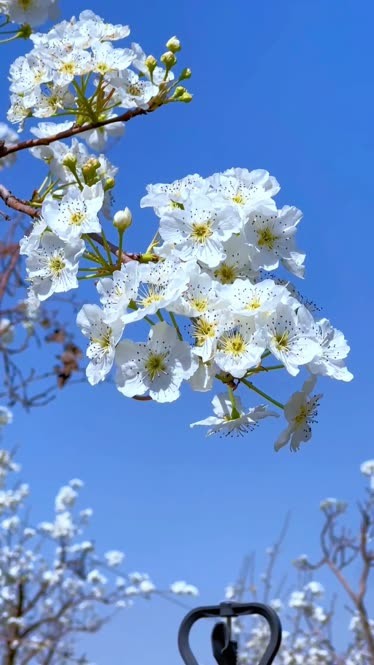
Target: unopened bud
<point>151,63</point>
<point>168,59</point>
<point>70,160</point>
<point>173,44</point>
<point>122,219</point>
<point>185,74</point>
<point>89,171</point>
<point>186,97</point>
<point>179,91</point>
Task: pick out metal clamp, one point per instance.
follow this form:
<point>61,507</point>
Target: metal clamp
<point>224,648</point>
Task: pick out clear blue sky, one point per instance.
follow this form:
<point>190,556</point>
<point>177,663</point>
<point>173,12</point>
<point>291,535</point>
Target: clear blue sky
<point>284,85</point>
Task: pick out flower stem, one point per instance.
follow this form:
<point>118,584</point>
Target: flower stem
<point>107,247</point>
<point>250,385</point>
<point>234,413</point>
<point>175,324</point>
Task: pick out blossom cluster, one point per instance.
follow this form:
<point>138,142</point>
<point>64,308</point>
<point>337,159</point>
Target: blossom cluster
<point>217,241</point>
<point>66,587</point>
<point>205,285</point>
<point>75,70</point>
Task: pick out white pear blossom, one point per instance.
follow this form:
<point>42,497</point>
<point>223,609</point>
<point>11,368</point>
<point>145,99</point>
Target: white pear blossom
<point>131,90</point>
<point>206,330</point>
<point>249,299</point>
<point>329,361</point>
<point>289,338</point>
<point>199,296</point>
<point>66,64</point>
<point>27,72</point>
<point>93,28</point>
<point>29,243</point>
<point>236,263</point>
<point>270,236</point>
<point>53,267</point>
<point>103,339</point>
<point>117,291</point>
<point>199,230</point>
<point>240,347</point>
<point>76,213</point>
<point>159,366</point>
<point>106,59</point>
<point>244,189</point>
<point>232,418</point>
<point>300,412</point>
<point>166,197</point>
<point>160,285</point>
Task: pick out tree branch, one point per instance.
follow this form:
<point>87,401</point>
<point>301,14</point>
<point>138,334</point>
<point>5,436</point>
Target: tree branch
<point>24,207</point>
<point>73,131</point>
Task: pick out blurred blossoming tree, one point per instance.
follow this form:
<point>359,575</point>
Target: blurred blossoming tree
<point>313,632</point>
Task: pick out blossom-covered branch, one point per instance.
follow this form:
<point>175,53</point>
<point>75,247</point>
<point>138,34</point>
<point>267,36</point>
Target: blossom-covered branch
<point>69,133</point>
<point>54,586</point>
<point>218,317</point>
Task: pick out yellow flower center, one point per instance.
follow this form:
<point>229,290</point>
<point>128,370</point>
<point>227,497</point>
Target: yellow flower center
<point>134,89</point>
<point>76,218</point>
<point>226,274</point>
<point>200,304</point>
<point>239,199</point>
<point>102,67</point>
<point>302,415</point>
<point>152,295</point>
<point>266,238</point>
<point>201,232</point>
<point>233,345</point>
<point>105,341</point>
<point>25,4</point>
<point>155,365</point>
<point>203,330</point>
<point>253,304</point>
<point>56,265</point>
<point>281,341</point>
<point>67,68</point>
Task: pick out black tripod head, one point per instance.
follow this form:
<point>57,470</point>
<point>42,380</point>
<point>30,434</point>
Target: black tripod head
<point>224,647</point>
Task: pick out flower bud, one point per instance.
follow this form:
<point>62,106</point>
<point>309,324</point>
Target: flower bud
<point>89,171</point>
<point>168,59</point>
<point>185,74</point>
<point>179,91</point>
<point>70,160</point>
<point>122,219</point>
<point>186,97</point>
<point>173,44</point>
<point>151,63</point>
